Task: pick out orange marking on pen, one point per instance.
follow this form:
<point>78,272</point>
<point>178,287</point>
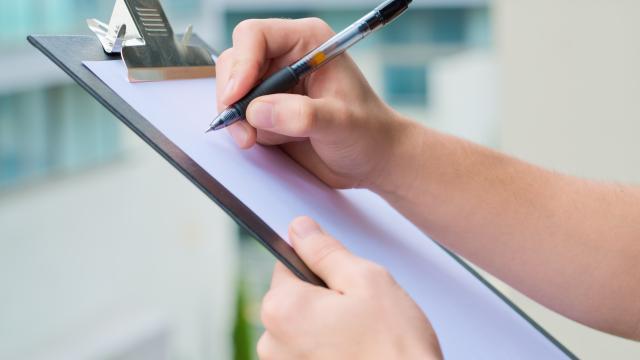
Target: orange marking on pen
<point>317,59</point>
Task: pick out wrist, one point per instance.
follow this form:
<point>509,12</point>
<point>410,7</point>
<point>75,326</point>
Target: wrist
<point>401,169</point>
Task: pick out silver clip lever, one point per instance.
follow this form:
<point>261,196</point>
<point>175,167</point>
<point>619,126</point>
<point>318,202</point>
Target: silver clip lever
<point>140,31</point>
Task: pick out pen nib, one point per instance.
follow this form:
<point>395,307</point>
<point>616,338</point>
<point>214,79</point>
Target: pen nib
<point>226,118</point>
<point>209,129</point>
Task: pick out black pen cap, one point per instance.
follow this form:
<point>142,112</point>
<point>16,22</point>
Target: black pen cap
<point>386,13</point>
<point>393,9</point>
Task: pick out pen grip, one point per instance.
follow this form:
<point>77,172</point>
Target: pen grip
<point>279,82</point>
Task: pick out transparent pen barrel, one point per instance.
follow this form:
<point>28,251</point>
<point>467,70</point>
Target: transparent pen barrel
<point>330,49</point>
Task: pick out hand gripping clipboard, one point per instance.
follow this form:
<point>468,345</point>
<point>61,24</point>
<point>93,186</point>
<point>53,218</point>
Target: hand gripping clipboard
<point>69,52</point>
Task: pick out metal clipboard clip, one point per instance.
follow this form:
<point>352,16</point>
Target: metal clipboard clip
<point>140,31</point>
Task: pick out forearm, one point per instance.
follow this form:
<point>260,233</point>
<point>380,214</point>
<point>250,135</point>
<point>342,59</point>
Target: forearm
<point>571,244</point>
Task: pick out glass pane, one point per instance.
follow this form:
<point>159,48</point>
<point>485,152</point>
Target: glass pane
<point>406,84</point>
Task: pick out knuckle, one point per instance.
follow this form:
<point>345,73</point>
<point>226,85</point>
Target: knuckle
<point>269,311</point>
<point>263,348</point>
<point>306,114</point>
<point>373,274</point>
<point>245,27</point>
<point>276,310</point>
<point>297,117</point>
<point>223,65</point>
<point>224,57</point>
<point>343,113</point>
<point>323,253</point>
<point>319,25</point>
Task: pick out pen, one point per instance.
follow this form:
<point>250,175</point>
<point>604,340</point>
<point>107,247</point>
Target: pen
<point>288,77</point>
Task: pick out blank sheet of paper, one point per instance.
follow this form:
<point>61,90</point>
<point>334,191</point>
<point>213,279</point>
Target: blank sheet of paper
<point>470,320</point>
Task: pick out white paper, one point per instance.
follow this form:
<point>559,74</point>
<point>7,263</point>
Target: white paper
<point>470,320</point>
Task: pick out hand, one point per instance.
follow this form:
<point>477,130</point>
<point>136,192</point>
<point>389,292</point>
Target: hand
<point>363,315</point>
<point>333,123</point>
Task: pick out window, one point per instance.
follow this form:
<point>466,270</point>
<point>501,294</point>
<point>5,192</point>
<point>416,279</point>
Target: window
<point>428,26</point>
<point>406,85</point>
<point>53,130</point>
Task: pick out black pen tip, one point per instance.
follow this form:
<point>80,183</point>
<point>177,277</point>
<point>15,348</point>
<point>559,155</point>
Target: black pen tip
<point>226,118</point>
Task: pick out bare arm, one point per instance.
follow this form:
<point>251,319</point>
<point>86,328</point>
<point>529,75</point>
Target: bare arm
<point>571,244</point>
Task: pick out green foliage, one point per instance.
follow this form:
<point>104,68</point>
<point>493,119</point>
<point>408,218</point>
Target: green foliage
<point>242,344</point>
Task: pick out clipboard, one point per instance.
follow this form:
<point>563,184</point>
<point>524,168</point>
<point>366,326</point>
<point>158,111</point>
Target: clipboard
<point>69,52</point>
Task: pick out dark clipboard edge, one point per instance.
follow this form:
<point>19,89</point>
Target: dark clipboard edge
<point>513,306</point>
<point>224,198</point>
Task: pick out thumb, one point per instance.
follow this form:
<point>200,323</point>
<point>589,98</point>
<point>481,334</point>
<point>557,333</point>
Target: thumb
<point>295,115</point>
<point>323,254</point>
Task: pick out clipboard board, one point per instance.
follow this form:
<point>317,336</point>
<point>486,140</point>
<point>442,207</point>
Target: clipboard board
<point>69,52</point>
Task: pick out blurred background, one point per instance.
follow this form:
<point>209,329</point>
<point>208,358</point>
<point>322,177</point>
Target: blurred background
<point>107,252</point>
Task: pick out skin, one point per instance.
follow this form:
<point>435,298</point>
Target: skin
<point>310,322</point>
<point>571,244</point>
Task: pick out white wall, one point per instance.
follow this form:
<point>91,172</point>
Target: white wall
<point>94,262</point>
<point>464,96</point>
<point>571,84</point>
<point>570,100</point>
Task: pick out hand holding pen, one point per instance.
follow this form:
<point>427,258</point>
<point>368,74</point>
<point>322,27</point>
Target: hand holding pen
<point>332,122</point>
<point>286,78</point>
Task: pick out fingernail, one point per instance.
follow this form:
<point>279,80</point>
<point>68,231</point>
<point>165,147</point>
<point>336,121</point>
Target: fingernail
<point>231,85</point>
<point>261,115</point>
<point>305,227</point>
<point>239,133</point>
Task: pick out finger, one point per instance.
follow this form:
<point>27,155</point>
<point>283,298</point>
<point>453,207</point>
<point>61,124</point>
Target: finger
<point>286,306</point>
<point>243,134</point>
<point>323,254</point>
<point>223,69</point>
<point>297,115</point>
<point>267,347</point>
<point>255,42</point>
<point>286,282</point>
<point>270,347</point>
<point>266,137</point>
<point>282,276</point>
